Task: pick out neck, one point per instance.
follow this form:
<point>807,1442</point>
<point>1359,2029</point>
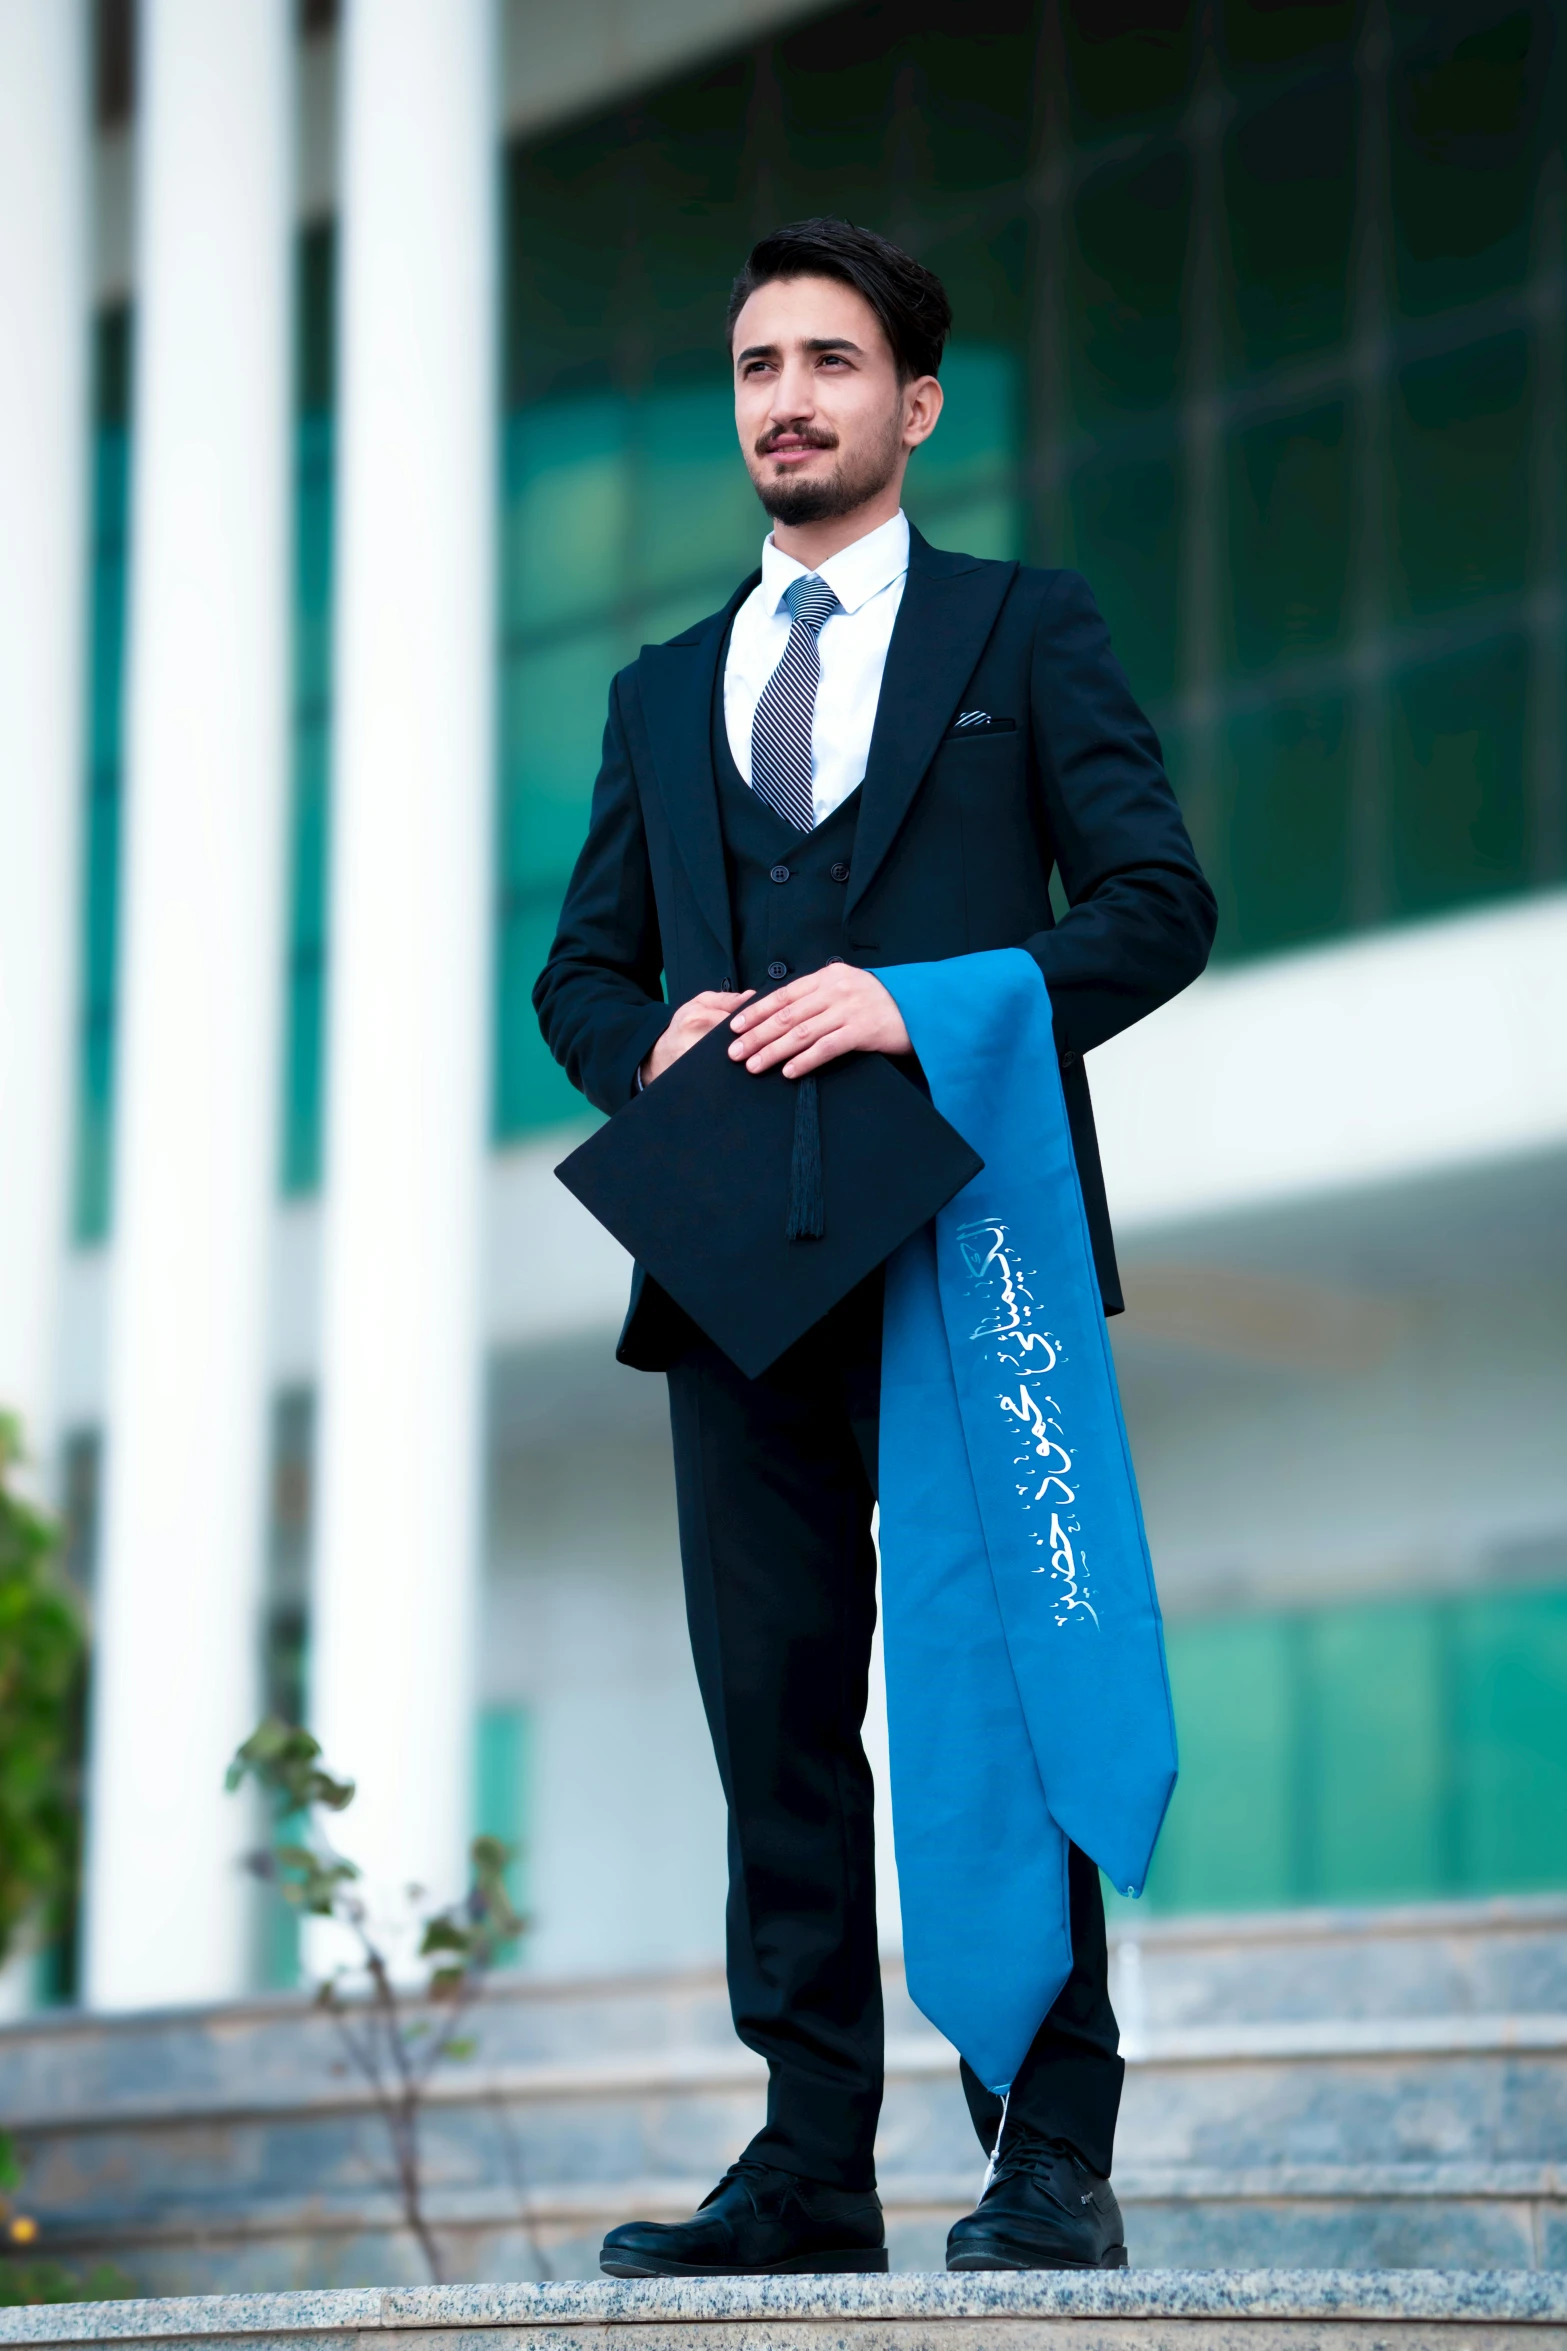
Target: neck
<point>814,543</point>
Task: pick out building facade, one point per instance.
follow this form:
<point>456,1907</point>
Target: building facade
<point>375,410</point>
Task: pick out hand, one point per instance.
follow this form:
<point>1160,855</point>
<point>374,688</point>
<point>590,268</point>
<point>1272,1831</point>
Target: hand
<point>838,1009</point>
<point>690,1025</point>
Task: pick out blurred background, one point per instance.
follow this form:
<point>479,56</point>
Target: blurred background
<point>366,408</point>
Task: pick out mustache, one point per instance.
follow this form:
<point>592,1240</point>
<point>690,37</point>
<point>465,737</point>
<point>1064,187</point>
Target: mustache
<point>807,436</point>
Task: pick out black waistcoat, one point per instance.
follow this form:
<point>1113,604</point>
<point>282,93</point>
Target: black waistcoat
<point>786,889</point>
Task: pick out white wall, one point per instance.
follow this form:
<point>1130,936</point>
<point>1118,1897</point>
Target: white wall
<point>1369,1061</point>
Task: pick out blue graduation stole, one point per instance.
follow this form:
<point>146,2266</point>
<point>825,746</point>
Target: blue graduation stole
<point>1027,1698</point>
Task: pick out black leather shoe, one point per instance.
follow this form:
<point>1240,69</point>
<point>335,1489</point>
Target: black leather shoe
<point>756,2221</point>
<point>1044,2209</point>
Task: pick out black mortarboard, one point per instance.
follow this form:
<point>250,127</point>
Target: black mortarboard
<point>759,1202</point>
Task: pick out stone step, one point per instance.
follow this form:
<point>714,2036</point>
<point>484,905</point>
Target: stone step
<point>1506,1957</point>
<point>1480,1960</point>
<point>1343,2216</point>
<point>1159,2310</point>
<point>521,2187</point>
<point>219,2147</point>
<point>1483,2090</point>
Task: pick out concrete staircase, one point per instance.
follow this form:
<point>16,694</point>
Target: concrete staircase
<point>1369,2091</point>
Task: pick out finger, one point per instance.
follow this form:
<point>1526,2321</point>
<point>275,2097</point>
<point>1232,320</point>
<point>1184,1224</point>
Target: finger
<point>706,1012</point>
<point>772,1020</point>
<point>782,1000</point>
<point>831,1047</point>
<point>795,1040</point>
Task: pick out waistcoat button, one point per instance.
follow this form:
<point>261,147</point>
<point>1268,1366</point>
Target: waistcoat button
<point>778,873</point>
<point>838,873</point>
<point>778,971</point>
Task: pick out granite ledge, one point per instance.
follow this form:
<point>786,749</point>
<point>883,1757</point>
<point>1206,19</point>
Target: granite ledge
<point>1494,2297</point>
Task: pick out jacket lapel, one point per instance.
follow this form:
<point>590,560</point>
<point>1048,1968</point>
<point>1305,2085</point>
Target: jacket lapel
<point>676,683</point>
<point>949,608</point>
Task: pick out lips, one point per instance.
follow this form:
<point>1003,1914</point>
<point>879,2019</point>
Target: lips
<point>791,446</point>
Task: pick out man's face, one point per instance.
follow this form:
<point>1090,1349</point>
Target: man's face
<point>819,409</point>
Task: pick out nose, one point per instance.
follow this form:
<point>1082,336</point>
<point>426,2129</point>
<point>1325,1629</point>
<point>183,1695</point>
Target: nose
<point>794,393</point>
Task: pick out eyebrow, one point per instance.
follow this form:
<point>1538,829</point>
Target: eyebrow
<point>816,343</point>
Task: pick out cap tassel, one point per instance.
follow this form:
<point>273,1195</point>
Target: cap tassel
<point>807,1218</point>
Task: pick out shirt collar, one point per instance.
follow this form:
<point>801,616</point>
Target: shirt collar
<point>855,574</point>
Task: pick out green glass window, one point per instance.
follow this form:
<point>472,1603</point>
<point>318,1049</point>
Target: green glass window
<point>304,1015</point>
<point>1289,550</point>
<point>1132,222</point>
<point>1284,793</point>
<point>502,1795</point>
<point>1466,121</point>
<point>1396,1749</point>
<point>1289,203</point>
<point>1461,475</point>
<point>108,586</point>
<point>1129,64</point>
<point>1460,811</point>
<point>1125,521</point>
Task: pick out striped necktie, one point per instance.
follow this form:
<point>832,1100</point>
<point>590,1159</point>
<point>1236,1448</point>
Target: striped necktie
<point>781,730</point>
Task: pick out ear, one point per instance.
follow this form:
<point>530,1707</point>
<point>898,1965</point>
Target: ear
<point>922,403</point>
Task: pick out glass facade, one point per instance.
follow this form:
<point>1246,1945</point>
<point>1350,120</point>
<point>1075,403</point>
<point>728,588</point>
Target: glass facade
<point>1259,326</point>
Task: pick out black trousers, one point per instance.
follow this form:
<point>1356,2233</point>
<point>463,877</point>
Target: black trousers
<point>776,1481</point>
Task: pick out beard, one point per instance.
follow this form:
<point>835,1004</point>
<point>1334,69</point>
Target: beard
<point>851,482</point>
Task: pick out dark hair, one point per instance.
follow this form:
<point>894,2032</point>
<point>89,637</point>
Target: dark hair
<point>909,299</point>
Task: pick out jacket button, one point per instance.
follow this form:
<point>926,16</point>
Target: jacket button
<point>778,873</point>
<point>778,971</point>
<point>839,873</point>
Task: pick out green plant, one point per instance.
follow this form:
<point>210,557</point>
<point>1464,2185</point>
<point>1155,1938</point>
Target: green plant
<point>43,1653</point>
<point>393,2047</point>
<point>49,2281</point>
<point>42,1664</point>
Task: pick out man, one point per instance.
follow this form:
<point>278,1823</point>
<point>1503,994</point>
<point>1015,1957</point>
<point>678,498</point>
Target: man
<point>874,754</point>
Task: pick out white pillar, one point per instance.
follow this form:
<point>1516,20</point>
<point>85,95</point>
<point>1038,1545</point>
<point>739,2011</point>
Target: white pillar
<point>396,1554</point>
<point>43,553</point>
<point>177,1678</point>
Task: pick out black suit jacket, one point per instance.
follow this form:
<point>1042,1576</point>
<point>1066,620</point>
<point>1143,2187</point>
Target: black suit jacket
<point>958,833</point>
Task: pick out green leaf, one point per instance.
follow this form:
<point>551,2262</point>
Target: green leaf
<point>442,1933</point>
<point>283,1760</point>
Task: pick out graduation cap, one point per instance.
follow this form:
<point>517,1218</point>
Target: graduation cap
<point>759,1202</point>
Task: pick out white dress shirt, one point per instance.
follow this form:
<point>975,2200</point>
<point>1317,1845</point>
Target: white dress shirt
<point>867,579</point>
